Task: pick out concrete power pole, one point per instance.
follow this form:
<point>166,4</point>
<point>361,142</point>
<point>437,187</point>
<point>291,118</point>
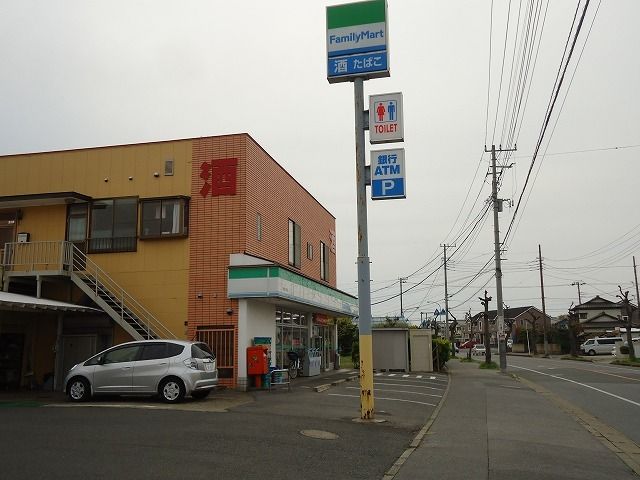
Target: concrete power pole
<point>578,283</point>
<point>402,280</point>
<point>497,207</point>
<point>446,295</point>
<point>544,311</point>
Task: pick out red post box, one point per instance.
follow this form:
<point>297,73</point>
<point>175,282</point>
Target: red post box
<point>257,360</point>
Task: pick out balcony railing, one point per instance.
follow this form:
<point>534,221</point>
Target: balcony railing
<point>61,256</point>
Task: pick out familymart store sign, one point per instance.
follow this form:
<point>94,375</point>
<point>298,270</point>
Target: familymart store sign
<point>357,41</point>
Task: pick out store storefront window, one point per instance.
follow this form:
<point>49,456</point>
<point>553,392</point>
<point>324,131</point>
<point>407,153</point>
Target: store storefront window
<point>292,333</point>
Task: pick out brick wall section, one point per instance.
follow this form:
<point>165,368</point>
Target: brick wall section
<point>277,197</point>
<point>219,226</point>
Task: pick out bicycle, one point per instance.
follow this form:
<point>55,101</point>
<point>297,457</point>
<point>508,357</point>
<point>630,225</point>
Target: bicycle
<point>295,364</point>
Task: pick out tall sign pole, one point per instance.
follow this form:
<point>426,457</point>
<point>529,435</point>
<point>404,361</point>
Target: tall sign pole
<point>356,51</point>
<point>364,273</point>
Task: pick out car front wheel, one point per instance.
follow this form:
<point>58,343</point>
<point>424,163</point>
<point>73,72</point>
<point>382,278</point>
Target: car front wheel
<point>592,352</point>
<point>171,390</point>
<point>78,390</point>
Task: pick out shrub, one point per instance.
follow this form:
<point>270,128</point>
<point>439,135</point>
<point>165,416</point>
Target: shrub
<point>624,349</point>
<point>441,350</point>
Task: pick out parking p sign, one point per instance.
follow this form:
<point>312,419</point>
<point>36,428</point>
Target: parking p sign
<point>387,174</point>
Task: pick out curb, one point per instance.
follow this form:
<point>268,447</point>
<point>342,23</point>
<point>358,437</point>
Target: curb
<point>415,443</point>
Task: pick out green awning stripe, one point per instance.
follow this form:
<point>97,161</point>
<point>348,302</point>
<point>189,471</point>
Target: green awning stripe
<point>359,13</point>
<point>242,273</point>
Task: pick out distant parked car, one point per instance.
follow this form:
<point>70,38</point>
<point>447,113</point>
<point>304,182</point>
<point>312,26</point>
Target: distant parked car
<point>468,344</point>
<point>602,345</point>
<point>171,369</point>
<point>478,349</point>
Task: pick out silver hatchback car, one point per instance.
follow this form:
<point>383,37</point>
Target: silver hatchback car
<point>171,369</point>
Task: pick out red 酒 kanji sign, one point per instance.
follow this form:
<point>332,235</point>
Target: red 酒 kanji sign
<point>219,177</point>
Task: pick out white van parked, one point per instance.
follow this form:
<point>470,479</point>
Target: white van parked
<point>603,345</point>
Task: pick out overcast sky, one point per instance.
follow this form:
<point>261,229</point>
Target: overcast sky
<point>87,73</point>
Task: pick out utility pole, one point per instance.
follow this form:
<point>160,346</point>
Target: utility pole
<point>485,303</point>
<point>402,280</point>
<point>446,294</point>
<point>578,283</point>
<point>635,274</point>
<point>497,207</point>
<point>544,311</point>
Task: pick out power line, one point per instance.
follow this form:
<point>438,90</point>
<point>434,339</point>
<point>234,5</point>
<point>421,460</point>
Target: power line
<point>554,97</point>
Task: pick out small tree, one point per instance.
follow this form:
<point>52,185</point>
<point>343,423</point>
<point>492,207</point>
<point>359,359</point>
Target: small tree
<point>347,334</point>
<point>627,307</point>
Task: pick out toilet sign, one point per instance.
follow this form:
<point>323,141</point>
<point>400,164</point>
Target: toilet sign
<point>387,174</point>
<point>385,118</point>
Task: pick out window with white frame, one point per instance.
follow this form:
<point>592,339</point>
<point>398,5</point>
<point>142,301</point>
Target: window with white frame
<point>164,217</point>
<point>295,244</point>
<point>324,261</point>
<point>258,227</point>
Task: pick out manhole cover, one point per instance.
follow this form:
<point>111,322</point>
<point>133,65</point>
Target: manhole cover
<point>321,434</point>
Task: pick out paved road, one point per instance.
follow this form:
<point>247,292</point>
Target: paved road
<point>609,392</point>
<point>259,438</point>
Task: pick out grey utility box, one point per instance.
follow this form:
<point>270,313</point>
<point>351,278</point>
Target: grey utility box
<point>391,349</point>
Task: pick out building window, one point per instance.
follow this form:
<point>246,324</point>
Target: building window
<point>295,244</point>
<point>168,167</point>
<point>164,217</point>
<point>324,261</point>
<point>309,251</point>
<point>113,225</point>
<point>583,316</point>
<point>258,227</point>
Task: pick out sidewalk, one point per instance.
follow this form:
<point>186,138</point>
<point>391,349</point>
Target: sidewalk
<point>493,427</point>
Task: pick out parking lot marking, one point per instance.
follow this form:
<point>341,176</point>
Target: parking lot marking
<point>378,374</point>
<point>408,385</point>
<point>401,391</point>
<point>391,375</point>
<point>418,376</point>
<point>384,398</point>
<point>405,376</point>
<point>432,378</point>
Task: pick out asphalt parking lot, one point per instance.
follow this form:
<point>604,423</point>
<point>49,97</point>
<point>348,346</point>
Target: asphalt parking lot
<point>231,435</point>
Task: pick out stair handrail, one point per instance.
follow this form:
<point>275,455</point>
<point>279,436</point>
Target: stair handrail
<point>76,258</point>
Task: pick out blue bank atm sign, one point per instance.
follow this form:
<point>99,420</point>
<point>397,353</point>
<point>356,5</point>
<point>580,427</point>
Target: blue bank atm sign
<point>387,174</point>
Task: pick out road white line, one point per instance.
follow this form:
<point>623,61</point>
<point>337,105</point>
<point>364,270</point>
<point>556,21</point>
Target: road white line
<point>418,376</point>
<point>432,378</point>
<point>400,391</point>
<point>408,385</point>
<point>405,376</point>
<point>383,398</point>
<point>378,374</point>
<point>391,375</point>
<point>582,385</point>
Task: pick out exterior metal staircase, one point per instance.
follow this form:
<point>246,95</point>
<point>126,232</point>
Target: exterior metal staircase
<point>64,258</point>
